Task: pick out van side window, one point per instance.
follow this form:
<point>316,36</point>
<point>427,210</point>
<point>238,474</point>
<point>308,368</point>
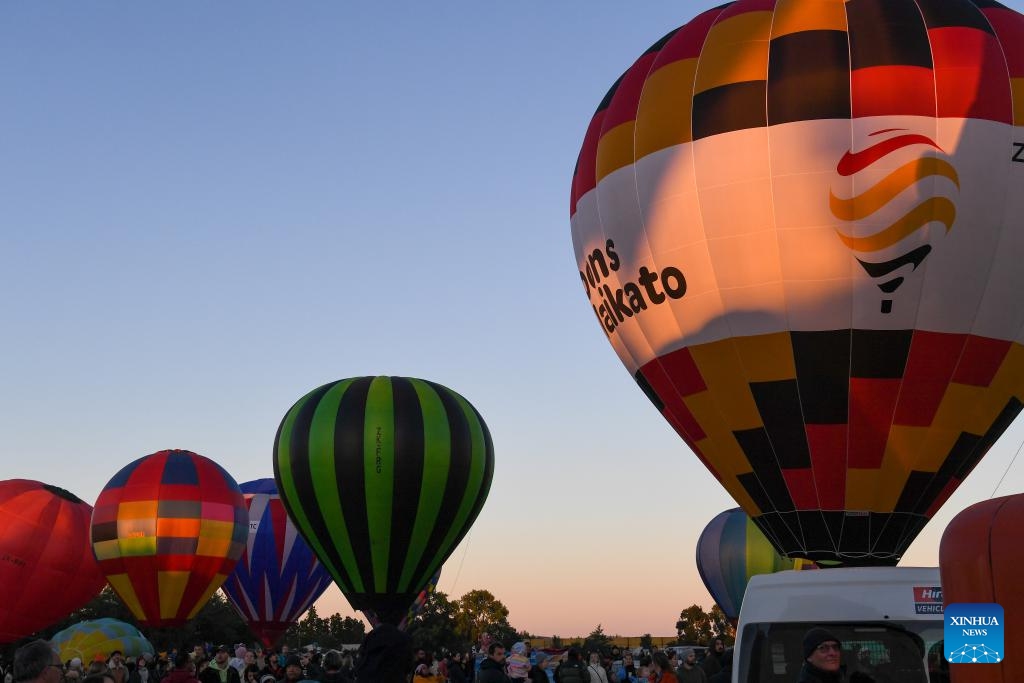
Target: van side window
<point>889,652</point>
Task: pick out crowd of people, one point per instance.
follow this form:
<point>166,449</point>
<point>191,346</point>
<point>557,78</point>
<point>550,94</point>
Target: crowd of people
<point>39,662</point>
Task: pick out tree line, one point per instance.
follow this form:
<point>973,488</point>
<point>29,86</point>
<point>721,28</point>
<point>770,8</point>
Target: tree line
<point>444,624</point>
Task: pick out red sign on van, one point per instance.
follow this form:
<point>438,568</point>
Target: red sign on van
<point>928,599</point>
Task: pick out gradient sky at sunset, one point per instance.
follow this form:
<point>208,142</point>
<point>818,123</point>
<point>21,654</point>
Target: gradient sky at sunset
<point>210,209</point>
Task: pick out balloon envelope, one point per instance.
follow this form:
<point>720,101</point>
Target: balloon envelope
<point>414,609</point>
<point>47,570</point>
<point>99,637</point>
<point>278,577</point>
<point>730,550</point>
<point>167,531</point>
<point>798,224</point>
<point>383,476</point>
<point>979,559</point>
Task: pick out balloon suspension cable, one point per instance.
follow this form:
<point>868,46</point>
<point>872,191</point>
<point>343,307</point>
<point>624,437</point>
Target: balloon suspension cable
<point>458,572</point>
<point>1008,467</point>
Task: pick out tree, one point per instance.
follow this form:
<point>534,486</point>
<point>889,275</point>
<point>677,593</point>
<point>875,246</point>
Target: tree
<point>721,626</point>
<point>478,612</point>
<point>434,627</point>
<point>694,625</point>
<point>597,641</point>
<point>646,641</point>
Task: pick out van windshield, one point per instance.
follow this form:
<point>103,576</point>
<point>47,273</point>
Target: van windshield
<point>889,652</point>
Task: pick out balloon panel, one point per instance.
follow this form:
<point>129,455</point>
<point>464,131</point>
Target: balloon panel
<point>278,577</point>
<point>383,477</point>
<point>47,570</point>
<point>88,639</point>
<point>731,550</point>
<point>167,530</point>
<point>796,223</point>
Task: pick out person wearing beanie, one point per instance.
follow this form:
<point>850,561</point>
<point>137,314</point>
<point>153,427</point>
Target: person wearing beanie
<point>538,672</point>
<point>822,652</point>
<point>688,671</point>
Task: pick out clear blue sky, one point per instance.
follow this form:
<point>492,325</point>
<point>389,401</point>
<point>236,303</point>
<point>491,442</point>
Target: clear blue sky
<point>209,209</point>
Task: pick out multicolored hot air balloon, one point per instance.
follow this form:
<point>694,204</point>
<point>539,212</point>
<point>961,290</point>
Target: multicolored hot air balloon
<point>730,550</point>
<point>99,637</point>
<point>798,224</point>
<point>47,570</point>
<point>167,531</point>
<point>383,477</point>
<point>278,577</point>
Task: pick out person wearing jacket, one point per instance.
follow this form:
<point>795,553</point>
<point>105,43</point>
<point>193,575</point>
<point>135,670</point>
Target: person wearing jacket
<point>183,671</point>
<point>572,669</point>
<point>538,672</point>
<point>492,669</point>
<point>663,671</point>
<point>822,652</point>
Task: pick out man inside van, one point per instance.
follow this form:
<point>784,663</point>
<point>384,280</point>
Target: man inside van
<point>821,660</point>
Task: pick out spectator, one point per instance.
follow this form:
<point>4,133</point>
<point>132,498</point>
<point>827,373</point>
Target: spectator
<point>663,670</point>
<point>595,670</point>
<point>725,673</point>
<point>538,672</point>
<point>183,671</point>
<point>572,669</point>
<point>492,669</point>
<point>219,670</point>
<point>688,671</point>
<point>712,663</point>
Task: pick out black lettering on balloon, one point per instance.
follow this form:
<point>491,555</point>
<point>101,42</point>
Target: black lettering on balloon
<point>613,258</point>
<point>1018,152</point>
<point>677,288</point>
<point>613,306</point>
<point>648,280</point>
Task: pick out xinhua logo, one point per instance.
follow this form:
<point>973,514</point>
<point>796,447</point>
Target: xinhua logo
<point>974,633</point>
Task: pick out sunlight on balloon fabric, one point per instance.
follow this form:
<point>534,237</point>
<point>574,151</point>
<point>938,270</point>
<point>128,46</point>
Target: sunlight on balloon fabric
<point>796,223</point>
<point>167,530</point>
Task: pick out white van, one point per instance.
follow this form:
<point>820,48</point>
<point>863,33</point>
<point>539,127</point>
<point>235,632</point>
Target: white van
<point>888,619</point>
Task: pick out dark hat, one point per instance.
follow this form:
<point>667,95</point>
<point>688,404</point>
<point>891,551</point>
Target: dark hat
<point>223,648</point>
<point>815,637</point>
<point>292,660</point>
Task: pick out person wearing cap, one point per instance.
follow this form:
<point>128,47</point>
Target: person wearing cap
<point>219,669</point>
<point>292,669</point>
<point>822,664</point>
<point>688,671</point>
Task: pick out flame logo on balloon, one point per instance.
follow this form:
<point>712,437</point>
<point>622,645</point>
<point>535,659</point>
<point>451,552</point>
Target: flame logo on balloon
<point>933,209</point>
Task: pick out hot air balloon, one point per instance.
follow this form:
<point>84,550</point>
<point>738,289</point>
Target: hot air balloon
<point>383,476</point>
<point>167,531</point>
<point>47,570</point>
<point>730,550</point>
<point>277,578</point>
<point>99,637</point>
<point>414,609</point>
<point>798,224</point>
<point>979,557</point>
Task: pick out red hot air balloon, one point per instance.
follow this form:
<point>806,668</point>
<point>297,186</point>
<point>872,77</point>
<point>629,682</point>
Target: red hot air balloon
<point>798,225</point>
<point>167,531</point>
<point>47,569</point>
<point>979,557</point>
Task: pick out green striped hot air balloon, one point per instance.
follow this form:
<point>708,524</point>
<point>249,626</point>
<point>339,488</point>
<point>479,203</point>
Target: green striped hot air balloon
<point>383,476</point>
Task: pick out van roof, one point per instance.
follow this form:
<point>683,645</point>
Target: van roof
<point>844,594</point>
